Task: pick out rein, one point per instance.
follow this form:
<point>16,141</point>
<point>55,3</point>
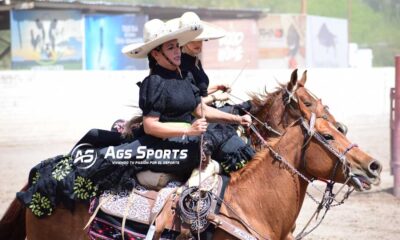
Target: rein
<point>264,124</point>
<point>328,197</point>
<point>203,158</point>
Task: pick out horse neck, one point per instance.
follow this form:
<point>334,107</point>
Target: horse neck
<point>266,191</point>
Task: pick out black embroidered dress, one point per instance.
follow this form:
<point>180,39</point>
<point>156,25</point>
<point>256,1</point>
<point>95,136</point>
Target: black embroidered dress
<point>234,153</point>
<point>193,65</point>
<point>163,94</point>
<point>59,180</point>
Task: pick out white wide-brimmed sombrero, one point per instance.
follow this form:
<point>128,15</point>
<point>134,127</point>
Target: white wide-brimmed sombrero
<point>210,31</point>
<point>157,32</point>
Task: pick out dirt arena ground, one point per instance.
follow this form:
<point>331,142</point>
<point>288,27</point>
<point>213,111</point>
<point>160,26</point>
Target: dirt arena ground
<point>368,215</point>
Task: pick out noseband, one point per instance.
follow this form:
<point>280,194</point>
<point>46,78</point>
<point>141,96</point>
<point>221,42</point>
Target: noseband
<point>310,132</point>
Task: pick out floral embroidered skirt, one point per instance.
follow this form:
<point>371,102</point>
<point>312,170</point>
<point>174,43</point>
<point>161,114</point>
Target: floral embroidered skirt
<point>61,180</point>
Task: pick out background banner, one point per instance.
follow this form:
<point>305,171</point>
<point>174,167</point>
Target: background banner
<point>327,43</point>
<point>282,41</point>
<point>47,40</point>
<point>105,35</point>
<point>236,48</point>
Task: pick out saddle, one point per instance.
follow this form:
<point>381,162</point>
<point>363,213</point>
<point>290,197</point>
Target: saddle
<point>176,210</point>
<point>144,204</point>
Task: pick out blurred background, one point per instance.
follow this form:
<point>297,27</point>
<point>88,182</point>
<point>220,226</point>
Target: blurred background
<point>62,73</point>
<point>293,33</point>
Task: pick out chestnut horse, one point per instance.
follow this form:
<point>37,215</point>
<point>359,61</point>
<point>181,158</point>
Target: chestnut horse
<point>266,196</point>
<point>271,205</point>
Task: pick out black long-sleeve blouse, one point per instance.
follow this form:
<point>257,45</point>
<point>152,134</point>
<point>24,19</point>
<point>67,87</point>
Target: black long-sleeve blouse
<point>188,63</point>
<point>167,95</point>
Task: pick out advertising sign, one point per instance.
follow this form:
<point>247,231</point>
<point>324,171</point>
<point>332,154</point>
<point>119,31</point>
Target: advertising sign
<point>105,35</point>
<point>327,42</point>
<point>237,48</point>
<point>46,40</point>
<point>282,41</point>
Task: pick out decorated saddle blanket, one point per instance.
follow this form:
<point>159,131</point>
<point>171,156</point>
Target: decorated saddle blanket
<point>140,207</point>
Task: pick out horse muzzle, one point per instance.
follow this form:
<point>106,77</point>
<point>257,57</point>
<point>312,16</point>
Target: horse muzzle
<point>363,180</point>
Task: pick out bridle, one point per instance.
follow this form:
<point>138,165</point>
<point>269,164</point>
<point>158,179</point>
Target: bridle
<point>309,132</point>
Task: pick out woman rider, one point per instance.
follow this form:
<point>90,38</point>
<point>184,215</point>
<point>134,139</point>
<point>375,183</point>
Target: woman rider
<point>167,99</point>
<point>192,63</point>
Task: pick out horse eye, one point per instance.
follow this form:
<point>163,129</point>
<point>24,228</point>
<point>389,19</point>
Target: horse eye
<point>328,137</point>
<point>341,128</point>
<point>308,104</point>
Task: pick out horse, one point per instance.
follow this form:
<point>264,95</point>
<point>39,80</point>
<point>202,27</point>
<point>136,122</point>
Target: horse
<point>272,204</point>
<point>278,104</point>
<point>275,219</point>
<point>271,213</point>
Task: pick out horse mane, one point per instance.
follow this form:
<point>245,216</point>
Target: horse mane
<point>249,169</point>
<point>259,102</point>
<point>253,165</point>
<point>265,98</point>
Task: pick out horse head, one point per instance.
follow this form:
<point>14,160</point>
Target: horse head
<point>293,101</point>
<point>276,109</point>
<point>306,144</point>
<point>310,100</point>
<point>329,151</point>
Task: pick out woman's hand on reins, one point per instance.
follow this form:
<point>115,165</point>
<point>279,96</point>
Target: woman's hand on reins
<point>222,96</point>
<point>245,120</point>
<point>198,127</point>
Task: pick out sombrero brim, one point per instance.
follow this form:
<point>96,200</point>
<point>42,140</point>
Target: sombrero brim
<point>210,32</point>
<point>183,35</point>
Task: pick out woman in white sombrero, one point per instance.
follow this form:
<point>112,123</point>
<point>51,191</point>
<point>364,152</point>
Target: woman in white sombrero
<point>234,153</point>
<point>191,61</point>
<point>170,142</point>
<point>168,99</point>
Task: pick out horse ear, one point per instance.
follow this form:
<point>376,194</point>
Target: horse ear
<point>304,109</point>
<point>303,79</point>
<point>293,81</point>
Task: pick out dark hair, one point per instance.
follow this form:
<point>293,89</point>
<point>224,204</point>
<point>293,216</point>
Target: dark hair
<point>152,60</point>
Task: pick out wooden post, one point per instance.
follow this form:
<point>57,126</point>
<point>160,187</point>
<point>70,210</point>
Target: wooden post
<point>303,10</point>
<point>396,131</point>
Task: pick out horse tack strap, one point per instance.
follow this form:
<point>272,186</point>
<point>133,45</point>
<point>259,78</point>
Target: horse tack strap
<point>101,203</point>
<point>125,215</point>
<point>159,206</point>
<point>229,228</point>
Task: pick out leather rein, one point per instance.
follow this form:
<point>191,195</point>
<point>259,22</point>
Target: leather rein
<point>309,132</point>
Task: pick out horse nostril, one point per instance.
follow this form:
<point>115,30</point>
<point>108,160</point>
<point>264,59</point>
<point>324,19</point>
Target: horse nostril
<point>375,166</point>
